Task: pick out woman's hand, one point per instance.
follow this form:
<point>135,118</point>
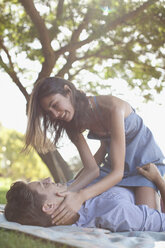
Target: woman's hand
<point>68,208</point>
<point>150,171</point>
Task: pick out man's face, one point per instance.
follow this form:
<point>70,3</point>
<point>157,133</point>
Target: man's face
<point>48,188</point>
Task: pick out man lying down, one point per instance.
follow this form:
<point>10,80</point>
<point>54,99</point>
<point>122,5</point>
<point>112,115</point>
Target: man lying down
<point>33,203</point>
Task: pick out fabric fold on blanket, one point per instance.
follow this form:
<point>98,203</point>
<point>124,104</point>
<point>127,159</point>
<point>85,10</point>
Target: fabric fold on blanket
<point>89,237</point>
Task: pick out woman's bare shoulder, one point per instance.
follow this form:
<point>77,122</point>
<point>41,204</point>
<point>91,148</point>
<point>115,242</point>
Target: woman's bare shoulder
<point>104,99</point>
<point>111,103</point>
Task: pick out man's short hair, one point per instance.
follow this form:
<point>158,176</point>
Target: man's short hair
<point>25,206</point>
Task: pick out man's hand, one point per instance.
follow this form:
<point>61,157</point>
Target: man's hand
<point>151,172</point>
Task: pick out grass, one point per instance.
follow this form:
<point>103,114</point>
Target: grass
<point>14,239</point>
<point>2,196</point>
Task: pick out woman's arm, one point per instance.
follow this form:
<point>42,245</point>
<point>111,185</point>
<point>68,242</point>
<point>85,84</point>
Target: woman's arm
<point>117,156</point>
<point>99,157</point>
<point>74,200</point>
<point>100,154</point>
<point>90,170</point>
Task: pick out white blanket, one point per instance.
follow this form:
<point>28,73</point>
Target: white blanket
<point>89,237</point>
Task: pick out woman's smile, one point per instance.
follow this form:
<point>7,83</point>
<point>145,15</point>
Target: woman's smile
<point>58,107</point>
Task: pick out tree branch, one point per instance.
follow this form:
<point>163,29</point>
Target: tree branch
<point>10,70</point>
<point>83,24</point>
<point>15,79</point>
<point>68,65</point>
<point>129,16</point>
<point>107,27</point>
<point>73,40</point>
<point>59,11</point>
<point>44,38</point>
<point>54,30</point>
<point>74,43</point>
<point>71,76</point>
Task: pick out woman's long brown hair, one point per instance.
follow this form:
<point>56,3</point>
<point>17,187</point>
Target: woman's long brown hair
<point>42,132</point>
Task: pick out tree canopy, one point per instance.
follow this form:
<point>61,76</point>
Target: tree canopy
<point>68,38</point>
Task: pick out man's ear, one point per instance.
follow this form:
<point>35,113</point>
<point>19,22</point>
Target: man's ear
<point>49,208</point>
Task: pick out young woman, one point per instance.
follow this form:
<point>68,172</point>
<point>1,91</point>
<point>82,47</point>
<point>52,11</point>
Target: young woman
<point>57,106</point>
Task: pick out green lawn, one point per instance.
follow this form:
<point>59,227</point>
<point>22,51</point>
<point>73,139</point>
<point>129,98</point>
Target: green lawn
<point>13,239</point>
<point>2,196</point>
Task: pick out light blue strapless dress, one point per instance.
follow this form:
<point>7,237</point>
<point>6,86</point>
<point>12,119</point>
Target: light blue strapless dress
<point>141,148</point>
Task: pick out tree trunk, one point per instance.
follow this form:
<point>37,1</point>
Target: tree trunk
<point>57,166</point>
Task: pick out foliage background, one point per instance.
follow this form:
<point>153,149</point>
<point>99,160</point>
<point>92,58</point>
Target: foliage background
<point>14,164</point>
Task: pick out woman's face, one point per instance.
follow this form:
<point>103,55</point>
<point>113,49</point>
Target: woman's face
<point>58,107</point>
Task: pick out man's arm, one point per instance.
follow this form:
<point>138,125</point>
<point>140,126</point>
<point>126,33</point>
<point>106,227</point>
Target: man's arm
<point>151,172</point>
<point>128,217</point>
<point>114,210</point>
